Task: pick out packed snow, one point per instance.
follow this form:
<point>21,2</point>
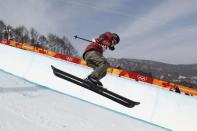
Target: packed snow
<point>168,110</point>
<point>28,106</point>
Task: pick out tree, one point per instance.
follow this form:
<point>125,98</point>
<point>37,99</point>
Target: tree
<point>2,27</point>
<point>42,41</point>
<point>70,49</point>
<point>33,36</point>
<point>53,43</point>
<point>49,42</point>
<point>21,34</point>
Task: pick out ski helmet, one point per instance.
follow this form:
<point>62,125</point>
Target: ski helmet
<point>115,37</point>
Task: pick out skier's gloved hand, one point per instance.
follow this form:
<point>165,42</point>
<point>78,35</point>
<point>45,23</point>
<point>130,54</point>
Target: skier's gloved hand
<point>112,48</point>
<point>94,40</point>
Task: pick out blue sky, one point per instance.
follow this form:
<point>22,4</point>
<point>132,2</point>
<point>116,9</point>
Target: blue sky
<point>159,30</point>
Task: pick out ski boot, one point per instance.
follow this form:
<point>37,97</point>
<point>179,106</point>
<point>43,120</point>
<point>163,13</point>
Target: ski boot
<point>94,81</point>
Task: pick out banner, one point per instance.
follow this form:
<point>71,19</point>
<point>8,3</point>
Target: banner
<point>118,72</point>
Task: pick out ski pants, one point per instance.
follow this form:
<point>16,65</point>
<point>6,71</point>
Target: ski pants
<point>96,60</point>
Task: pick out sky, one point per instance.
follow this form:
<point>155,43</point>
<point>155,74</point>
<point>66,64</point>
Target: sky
<point>159,30</point>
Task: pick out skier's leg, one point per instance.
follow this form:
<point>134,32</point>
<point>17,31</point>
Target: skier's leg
<point>101,69</point>
<point>99,63</point>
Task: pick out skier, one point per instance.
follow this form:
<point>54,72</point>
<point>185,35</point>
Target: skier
<point>93,56</point>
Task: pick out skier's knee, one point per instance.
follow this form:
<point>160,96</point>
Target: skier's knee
<point>105,65</point>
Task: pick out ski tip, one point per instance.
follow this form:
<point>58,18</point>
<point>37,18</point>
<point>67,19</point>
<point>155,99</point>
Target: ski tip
<point>52,67</point>
<point>137,103</point>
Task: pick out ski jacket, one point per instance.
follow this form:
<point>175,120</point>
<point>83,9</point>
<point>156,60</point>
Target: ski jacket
<point>101,43</point>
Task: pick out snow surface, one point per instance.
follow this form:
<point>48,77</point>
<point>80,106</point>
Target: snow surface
<point>158,105</point>
<point>26,106</point>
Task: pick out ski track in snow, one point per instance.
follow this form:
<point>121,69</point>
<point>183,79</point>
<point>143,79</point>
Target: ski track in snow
<point>26,106</point>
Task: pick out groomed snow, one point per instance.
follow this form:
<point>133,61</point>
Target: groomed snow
<point>158,105</point>
<point>28,106</point>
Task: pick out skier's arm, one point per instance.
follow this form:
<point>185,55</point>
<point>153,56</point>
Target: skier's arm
<point>105,40</point>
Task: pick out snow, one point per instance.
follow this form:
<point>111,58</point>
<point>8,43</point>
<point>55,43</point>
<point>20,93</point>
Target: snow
<point>158,105</point>
<point>28,106</point>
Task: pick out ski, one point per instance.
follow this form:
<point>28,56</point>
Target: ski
<point>97,89</point>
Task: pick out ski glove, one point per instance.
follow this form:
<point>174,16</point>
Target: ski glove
<point>112,48</point>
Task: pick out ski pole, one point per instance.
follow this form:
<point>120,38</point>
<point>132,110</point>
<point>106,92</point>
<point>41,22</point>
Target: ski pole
<point>77,37</point>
